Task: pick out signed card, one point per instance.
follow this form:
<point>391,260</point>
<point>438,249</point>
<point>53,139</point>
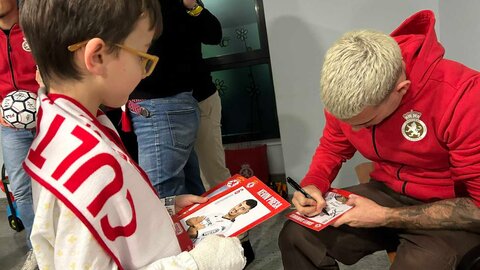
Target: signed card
<point>335,199</point>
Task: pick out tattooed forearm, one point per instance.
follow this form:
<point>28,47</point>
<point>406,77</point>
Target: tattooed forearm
<point>453,214</point>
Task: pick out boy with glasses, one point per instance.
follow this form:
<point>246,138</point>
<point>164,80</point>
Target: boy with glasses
<point>97,208</point>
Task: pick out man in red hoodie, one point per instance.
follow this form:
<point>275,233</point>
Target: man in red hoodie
<point>413,113</point>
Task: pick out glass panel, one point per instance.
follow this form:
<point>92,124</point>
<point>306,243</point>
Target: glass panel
<point>248,103</point>
<point>239,26</point>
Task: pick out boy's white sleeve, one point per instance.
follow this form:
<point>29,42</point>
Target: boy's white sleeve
<point>182,261</point>
<point>61,241</point>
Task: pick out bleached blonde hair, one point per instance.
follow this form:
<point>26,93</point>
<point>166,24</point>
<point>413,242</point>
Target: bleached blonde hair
<point>359,70</point>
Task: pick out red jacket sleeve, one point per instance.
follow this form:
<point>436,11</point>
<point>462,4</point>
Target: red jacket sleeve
<point>462,135</point>
<point>334,149</point>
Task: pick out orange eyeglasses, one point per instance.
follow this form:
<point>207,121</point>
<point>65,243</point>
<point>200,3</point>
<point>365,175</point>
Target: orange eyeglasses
<point>148,61</point>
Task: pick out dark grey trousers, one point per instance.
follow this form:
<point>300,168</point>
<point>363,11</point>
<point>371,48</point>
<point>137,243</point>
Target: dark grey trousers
<point>304,249</point>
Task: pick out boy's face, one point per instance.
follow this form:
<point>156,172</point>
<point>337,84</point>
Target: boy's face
<point>126,70</point>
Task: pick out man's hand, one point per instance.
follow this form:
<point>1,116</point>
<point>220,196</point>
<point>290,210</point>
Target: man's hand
<point>364,214</point>
<point>309,207</point>
<point>182,201</point>
<point>189,4</point>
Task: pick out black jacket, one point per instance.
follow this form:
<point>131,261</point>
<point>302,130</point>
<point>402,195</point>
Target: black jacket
<point>181,66</point>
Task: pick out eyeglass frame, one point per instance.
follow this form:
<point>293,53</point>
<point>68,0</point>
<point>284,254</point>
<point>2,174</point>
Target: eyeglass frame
<point>145,56</point>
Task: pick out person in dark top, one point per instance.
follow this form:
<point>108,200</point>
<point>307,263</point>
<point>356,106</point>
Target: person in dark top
<point>163,110</point>
<point>164,107</point>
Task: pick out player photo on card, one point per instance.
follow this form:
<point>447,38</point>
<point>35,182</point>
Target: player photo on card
<point>232,182</point>
<point>225,216</point>
<point>232,211</point>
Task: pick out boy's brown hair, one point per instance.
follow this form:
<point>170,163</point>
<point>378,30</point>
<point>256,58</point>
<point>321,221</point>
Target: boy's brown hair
<point>50,26</point>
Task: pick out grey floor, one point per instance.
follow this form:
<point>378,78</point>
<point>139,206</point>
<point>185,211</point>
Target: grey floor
<point>263,238</point>
<point>12,244</point>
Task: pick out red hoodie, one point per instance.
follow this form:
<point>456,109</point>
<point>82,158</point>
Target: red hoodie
<point>429,148</point>
<point>17,67</point>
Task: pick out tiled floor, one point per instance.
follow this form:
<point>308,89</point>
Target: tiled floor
<point>12,244</point>
<point>262,237</point>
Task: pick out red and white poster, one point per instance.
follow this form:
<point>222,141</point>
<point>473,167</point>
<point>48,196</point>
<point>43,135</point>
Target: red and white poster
<point>335,199</point>
<point>234,207</point>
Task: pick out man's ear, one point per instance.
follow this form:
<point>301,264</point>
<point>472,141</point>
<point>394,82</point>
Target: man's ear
<point>403,86</point>
<point>94,57</point>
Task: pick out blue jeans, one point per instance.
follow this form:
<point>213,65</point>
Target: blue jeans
<point>15,145</point>
<point>165,144</point>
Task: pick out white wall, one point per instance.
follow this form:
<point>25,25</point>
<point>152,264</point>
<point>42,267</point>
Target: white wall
<point>299,32</point>
<point>461,31</point>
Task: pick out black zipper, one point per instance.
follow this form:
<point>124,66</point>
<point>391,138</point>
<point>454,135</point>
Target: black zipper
<point>378,155</point>
<point>403,187</point>
<point>10,59</point>
<point>374,143</point>
<point>398,172</point>
<point>398,177</point>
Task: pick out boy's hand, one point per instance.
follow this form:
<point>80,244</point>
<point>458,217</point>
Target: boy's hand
<point>216,252</point>
<point>182,201</point>
<point>364,214</point>
<point>189,4</point>
<point>309,207</point>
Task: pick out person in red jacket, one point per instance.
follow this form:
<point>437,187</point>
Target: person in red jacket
<point>17,72</point>
<point>397,101</point>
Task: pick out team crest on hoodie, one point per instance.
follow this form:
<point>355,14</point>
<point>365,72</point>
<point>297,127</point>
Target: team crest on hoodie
<point>413,129</point>
<point>25,45</point>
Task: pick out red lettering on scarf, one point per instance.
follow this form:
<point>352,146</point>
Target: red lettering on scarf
<point>35,155</point>
<point>113,232</point>
<point>88,143</point>
<point>90,167</point>
<point>87,169</point>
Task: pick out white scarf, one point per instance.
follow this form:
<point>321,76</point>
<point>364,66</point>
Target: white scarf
<point>81,160</point>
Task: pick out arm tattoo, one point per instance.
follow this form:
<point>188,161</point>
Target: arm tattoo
<point>451,214</point>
